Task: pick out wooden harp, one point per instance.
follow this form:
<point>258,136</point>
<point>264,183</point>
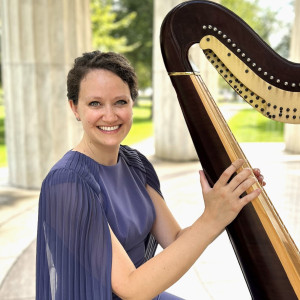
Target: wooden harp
<point>269,259</point>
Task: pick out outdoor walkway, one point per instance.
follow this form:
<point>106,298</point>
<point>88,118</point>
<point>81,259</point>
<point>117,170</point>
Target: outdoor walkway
<point>216,275</point>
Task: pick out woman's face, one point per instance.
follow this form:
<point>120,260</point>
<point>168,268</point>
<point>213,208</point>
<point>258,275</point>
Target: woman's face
<point>104,108</point>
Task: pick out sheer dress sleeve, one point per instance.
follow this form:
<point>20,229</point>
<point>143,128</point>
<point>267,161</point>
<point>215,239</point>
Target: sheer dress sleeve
<point>74,252</point>
<point>139,161</point>
<point>151,176</point>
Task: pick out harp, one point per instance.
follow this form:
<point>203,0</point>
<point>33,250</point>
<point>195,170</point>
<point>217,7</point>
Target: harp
<point>269,259</point>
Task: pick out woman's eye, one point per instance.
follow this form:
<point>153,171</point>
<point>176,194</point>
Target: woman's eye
<point>94,103</point>
<point>121,102</point>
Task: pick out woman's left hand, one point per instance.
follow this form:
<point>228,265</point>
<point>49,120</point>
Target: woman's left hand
<point>259,176</point>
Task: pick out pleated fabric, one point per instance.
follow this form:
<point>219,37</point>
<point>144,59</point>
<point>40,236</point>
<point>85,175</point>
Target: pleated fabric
<point>74,252</point>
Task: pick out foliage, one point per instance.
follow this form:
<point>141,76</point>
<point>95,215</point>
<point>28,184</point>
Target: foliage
<point>260,20</point>
<point>283,47</point>
<point>0,52</point>
<point>125,26</point>
<point>264,22</point>
<point>140,33</point>
<point>105,23</point>
<point>250,126</point>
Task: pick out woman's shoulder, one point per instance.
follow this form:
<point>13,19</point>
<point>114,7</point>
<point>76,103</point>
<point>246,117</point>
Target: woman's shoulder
<point>137,160</point>
<point>74,166</point>
<point>134,158</point>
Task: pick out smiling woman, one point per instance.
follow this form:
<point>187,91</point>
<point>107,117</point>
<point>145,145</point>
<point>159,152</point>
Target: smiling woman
<point>105,110</point>
<point>101,211</point>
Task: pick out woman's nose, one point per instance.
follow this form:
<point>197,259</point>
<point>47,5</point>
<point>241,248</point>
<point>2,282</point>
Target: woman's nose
<point>109,115</point>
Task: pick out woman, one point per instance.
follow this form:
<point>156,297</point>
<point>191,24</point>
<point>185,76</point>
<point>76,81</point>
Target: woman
<point>101,201</point>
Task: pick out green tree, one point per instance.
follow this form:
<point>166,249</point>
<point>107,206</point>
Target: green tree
<point>283,47</point>
<point>139,33</point>
<point>262,21</point>
<point>0,54</point>
<point>105,23</point>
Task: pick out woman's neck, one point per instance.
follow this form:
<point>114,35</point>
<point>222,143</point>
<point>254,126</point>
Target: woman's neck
<point>107,156</point>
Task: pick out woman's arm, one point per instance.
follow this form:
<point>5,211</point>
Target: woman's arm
<point>222,204</point>
<point>165,228</point>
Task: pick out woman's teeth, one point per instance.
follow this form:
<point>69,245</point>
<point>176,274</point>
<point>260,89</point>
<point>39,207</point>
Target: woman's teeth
<point>108,128</point>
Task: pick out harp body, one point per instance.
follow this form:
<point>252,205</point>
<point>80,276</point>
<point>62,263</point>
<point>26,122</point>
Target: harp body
<point>269,259</point>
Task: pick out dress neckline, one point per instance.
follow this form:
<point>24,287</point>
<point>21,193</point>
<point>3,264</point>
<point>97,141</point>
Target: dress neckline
<point>80,154</point>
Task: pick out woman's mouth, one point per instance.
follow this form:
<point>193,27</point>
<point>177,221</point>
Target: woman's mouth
<point>109,128</point>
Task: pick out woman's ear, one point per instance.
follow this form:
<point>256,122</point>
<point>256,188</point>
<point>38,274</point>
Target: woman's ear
<point>74,109</point>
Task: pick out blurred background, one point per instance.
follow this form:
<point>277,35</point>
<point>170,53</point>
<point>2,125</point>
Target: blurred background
<point>128,27</point>
<point>39,41</point>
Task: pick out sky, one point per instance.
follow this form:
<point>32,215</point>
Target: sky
<point>285,9</point>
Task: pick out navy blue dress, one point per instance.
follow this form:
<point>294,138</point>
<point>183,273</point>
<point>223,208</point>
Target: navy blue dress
<point>79,198</point>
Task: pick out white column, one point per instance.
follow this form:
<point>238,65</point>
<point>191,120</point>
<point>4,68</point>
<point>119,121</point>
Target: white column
<point>292,131</point>
<point>40,40</point>
<point>172,139</point>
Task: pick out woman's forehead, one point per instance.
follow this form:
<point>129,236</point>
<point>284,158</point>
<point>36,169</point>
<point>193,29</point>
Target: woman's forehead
<point>99,82</point>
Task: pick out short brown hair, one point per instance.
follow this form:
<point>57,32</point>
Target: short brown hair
<point>110,61</point>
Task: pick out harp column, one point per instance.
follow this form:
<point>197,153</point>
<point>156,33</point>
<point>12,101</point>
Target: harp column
<point>171,137</point>
<point>40,41</point>
<point>292,131</point>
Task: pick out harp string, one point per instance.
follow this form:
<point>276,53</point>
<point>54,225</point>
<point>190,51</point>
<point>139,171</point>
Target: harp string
<point>282,242</point>
<point>259,248</point>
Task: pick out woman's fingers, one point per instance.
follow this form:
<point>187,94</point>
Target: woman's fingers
<point>244,186</point>
<point>239,179</point>
<point>223,202</point>
<point>224,178</point>
<point>250,197</point>
<point>259,176</point>
<point>239,184</point>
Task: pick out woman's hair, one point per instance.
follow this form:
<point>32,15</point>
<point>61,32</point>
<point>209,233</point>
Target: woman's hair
<point>116,63</point>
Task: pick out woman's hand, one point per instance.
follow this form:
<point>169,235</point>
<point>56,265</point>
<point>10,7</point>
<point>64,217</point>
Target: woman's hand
<point>259,176</point>
<point>223,202</point>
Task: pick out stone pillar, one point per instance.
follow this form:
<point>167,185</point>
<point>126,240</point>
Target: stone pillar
<point>292,131</point>
<point>172,139</point>
<point>40,40</point>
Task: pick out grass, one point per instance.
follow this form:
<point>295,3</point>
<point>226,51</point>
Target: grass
<point>247,126</point>
<point>142,127</point>
<point>250,126</point>
<point>3,162</point>
<point>3,159</point>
